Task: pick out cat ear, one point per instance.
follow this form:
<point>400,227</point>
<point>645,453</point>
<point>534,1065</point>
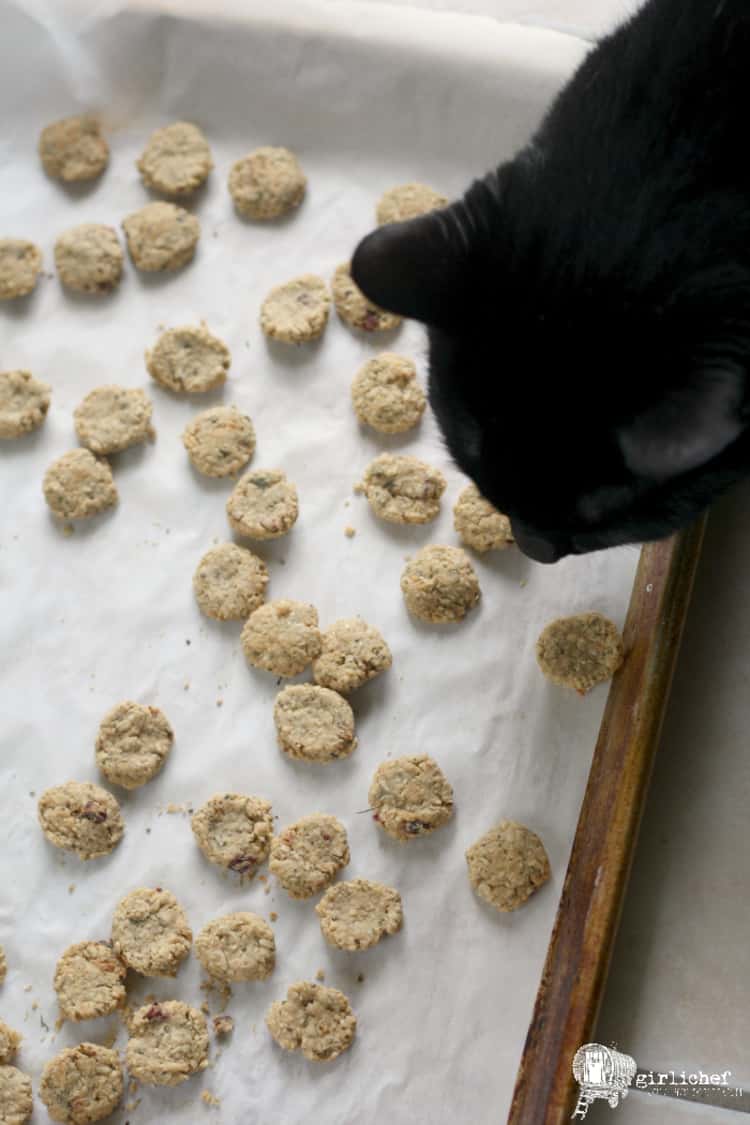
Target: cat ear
<point>687,428</point>
<point>418,269</point>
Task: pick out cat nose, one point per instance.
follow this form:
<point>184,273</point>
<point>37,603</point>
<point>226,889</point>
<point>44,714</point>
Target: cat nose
<point>537,548</point>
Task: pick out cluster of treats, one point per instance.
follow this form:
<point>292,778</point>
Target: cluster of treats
<point>168,1041</point>
<point>409,797</point>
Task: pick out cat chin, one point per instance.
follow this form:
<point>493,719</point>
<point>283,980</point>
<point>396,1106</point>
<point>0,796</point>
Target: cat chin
<point>539,549</point>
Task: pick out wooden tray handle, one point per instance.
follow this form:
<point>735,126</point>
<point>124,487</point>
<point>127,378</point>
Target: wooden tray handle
<point>575,971</point>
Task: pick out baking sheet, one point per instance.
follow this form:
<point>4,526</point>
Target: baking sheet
<point>589,19</point>
<point>107,613</point>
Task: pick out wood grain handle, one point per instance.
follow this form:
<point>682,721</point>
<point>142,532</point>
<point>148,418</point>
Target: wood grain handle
<point>575,971</point>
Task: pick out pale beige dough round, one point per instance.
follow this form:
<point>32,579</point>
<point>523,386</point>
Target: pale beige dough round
<point>89,981</point>
<point>386,394</point>
<point>20,266</point>
<point>161,236</point>
<point>407,201</point>
<point>24,402</point>
<point>358,914</point>
<point>403,489</point>
<point>314,723</point>
<point>10,1041</point>
<point>150,932</point>
<point>230,582</point>
<point>479,524</point>
<point>189,359</point>
<point>237,947</point>
<point>315,1020</point>
<point>111,419</point>
<point>296,311</point>
<point>263,505</point>
<point>220,441</point>
<point>439,585</point>
<point>133,743</point>
<point>234,831</point>
<point>88,258</point>
<point>307,856</point>
<point>410,797</point>
<point>82,818</point>
<point>580,652</point>
<point>176,160</point>
<point>282,637</point>
<point>79,485</point>
<point>168,1043</point>
<point>82,1084</point>
<point>73,149</point>
<point>16,1102</point>
<point>267,183</point>
<point>355,309</point>
<point>352,652</point>
<point>507,865</point>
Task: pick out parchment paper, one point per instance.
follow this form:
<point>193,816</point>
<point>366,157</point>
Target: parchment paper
<point>107,613</point>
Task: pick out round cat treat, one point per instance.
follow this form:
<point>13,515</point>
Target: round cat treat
<point>176,160</point>
<point>20,266</point>
<point>133,744</point>
<point>24,402</point>
<point>73,149</point>
<point>89,981</point>
<point>230,582</point>
<point>307,856</point>
<point>357,915</point>
<point>88,258</point>
<point>355,309</point>
<point>150,932</point>
<point>403,489</point>
<point>410,797</point>
<point>10,1041</point>
<point>507,865</point>
<point>220,441</point>
<point>82,1084</point>
<point>352,652</point>
<point>580,652</point>
<point>315,1020</point>
<point>237,947</point>
<point>189,359</point>
<point>439,585</point>
<point>234,831</point>
<point>314,723</point>
<point>82,818</point>
<point>386,394</point>
<point>263,505</point>
<point>282,637</point>
<point>78,485</point>
<point>168,1043</point>
<point>161,236</point>
<point>267,183</point>
<point>111,419</point>
<point>479,524</point>
<point>407,201</point>
<point>16,1102</point>
<point>296,311</point>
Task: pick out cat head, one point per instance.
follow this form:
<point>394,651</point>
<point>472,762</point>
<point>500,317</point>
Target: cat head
<point>593,404</point>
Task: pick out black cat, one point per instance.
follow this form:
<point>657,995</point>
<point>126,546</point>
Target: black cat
<point>588,303</point>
